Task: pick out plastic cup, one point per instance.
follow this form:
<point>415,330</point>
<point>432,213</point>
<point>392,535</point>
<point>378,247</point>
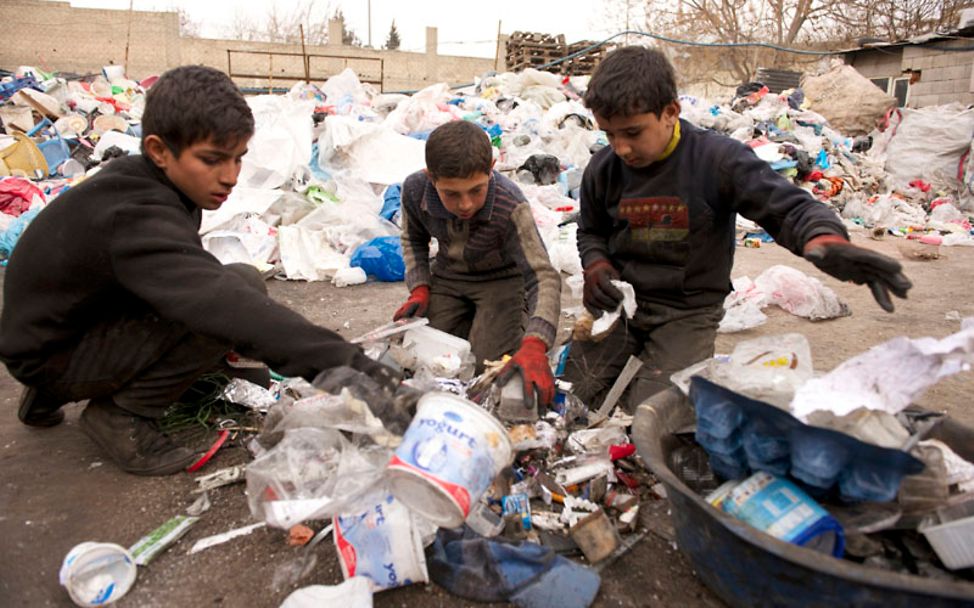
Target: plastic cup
<point>97,574</point>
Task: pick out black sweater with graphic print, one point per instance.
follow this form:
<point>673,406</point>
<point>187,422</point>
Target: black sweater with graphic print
<point>669,227</point>
<point>126,242</point>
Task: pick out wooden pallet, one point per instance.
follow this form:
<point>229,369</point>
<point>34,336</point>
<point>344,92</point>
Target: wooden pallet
<point>533,49</point>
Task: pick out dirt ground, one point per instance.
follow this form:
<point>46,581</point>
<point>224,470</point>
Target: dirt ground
<point>57,489</point>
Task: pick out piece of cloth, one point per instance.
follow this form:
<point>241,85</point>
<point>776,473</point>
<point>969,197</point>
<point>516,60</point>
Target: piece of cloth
<point>500,242</point>
<point>416,305</point>
<point>127,239</point>
<point>665,338</point>
<point>489,314</point>
<point>524,573</point>
<point>669,227</point>
<point>531,361</point>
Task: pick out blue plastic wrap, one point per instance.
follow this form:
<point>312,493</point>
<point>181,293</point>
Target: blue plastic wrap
<point>744,435</point>
<point>381,258</point>
<point>10,236</point>
<point>391,203</point>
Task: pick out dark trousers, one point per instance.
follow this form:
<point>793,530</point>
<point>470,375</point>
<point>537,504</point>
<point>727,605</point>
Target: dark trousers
<point>143,362</point>
<point>666,339</point>
<point>491,315</point>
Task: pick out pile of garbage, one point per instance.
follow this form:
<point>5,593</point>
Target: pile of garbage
<point>445,478</point>
<point>451,479</point>
<point>318,196</point>
<point>845,459</point>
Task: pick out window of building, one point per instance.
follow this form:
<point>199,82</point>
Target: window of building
<point>901,89</point>
<point>894,87</point>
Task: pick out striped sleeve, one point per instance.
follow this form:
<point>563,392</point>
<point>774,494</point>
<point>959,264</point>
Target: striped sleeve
<point>542,282</point>
<point>415,237</point>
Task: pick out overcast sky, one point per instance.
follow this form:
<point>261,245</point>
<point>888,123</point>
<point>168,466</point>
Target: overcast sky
<point>465,27</point>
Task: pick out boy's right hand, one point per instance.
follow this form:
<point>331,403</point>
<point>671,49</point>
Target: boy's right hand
<point>599,293</point>
<point>416,305</point>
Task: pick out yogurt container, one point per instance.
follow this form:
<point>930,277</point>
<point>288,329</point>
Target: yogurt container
<point>448,457</point>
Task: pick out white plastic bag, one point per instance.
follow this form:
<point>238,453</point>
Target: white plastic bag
<point>281,143</point>
<point>928,144</point>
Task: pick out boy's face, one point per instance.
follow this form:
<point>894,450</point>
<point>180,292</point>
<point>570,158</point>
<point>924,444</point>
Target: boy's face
<point>463,196</point>
<point>639,139</point>
<point>203,171</point>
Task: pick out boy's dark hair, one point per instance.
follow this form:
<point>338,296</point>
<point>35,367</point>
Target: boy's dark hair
<point>631,80</point>
<point>458,149</point>
<point>192,103</point>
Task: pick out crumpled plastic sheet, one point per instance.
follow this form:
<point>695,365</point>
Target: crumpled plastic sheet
<point>800,294</point>
<point>312,473</point>
<point>888,377</point>
<point>281,143</point>
<point>355,592</point>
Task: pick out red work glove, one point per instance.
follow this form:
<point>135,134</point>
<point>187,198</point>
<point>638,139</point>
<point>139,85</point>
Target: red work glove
<point>531,360</point>
<point>416,305</point>
<point>838,257</point>
<point>599,293</point>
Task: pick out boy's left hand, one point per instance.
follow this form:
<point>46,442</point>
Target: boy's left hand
<point>531,360</point>
<point>838,257</point>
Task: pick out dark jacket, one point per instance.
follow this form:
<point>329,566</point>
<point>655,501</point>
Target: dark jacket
<point>500,242</point>
<point>125,242</point>
<point>669,228</point>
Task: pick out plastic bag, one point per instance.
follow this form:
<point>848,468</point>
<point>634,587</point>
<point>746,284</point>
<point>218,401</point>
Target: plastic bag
<point>928,144</point>
<point>392,203</point>
<point>312,473</point>
<point>9,238</point>
<point>770,368</point>
<point>381,258</point>
<point>800,294</point>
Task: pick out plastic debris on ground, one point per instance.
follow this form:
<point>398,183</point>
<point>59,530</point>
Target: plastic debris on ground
<point>313,191</point>
<point>852,468</point>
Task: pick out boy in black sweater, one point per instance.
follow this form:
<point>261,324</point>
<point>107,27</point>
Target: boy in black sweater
<point>110,296</point>
<point>657,210</point>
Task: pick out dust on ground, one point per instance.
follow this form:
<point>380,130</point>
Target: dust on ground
<point>58,491</point>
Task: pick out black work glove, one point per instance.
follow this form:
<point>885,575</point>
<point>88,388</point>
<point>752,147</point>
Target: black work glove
<point>838,257</point>
<point>378,386</point>
<point>599,293</point>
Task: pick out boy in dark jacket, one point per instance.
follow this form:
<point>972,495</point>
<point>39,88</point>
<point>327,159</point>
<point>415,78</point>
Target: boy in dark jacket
<point>491,269</point>
<point>658,211</point>
<point>110,296</point>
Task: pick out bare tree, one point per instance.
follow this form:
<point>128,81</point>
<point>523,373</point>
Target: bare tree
<point>349,37</point>
<point>734,29</point>
<point>284,26</point>
<point>892,20</point>
<point>188,27</point>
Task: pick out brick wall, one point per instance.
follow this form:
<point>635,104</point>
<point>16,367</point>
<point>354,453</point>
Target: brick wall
<point>945,76</point>
<point>54,36</point>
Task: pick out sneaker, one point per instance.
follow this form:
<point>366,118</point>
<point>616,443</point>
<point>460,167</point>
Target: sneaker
<point>37,408</point>
<point>134,443</point>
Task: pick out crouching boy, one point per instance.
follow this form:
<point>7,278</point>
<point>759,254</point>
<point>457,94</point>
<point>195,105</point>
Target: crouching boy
<point>110,296</point>
<point>491,281</point>
<point>657,210</point>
